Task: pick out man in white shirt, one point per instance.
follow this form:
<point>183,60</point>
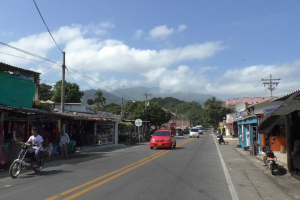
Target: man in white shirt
<point>63,144</point>
<point>37,144</point>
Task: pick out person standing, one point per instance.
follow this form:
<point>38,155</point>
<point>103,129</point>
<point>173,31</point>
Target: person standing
<point>37,144</point>
<point>63,144</point>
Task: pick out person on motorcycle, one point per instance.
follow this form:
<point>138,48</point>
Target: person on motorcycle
<point>37,144</point>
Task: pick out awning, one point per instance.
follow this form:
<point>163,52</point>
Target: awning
<point>269,120</point>
<point>268,110</point>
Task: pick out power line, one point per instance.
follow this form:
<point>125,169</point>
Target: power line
<point>69,73</point>
<point>28,58</point>
<point>46,24</point>
<point>53,75</point>
<point>27,52</point>
<point>52,65</point>
<point>105,86</point>
<point>79,78</point>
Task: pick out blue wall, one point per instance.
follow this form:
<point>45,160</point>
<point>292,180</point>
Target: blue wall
<point>247,124</point>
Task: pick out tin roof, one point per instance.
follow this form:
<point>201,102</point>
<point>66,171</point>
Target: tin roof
<point>6,67</point>
<point>285,96</point>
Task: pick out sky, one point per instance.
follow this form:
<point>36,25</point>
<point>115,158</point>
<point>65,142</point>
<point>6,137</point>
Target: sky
<point>222,48</point>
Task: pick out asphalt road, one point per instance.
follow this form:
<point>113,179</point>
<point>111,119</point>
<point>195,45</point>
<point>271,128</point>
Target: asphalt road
<point>197,168</point>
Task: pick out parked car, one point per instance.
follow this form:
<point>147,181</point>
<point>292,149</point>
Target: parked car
<point>162,139</point>
<point>194,132</point>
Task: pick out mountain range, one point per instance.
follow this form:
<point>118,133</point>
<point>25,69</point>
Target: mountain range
<point>138,94</point>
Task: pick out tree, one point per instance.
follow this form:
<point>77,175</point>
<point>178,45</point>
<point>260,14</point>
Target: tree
<point>72,92</point>
<point>113,108</point>
<point>99,101</point>
<point>136,110</point>
<point>45,92</point>
<point>214,111</point>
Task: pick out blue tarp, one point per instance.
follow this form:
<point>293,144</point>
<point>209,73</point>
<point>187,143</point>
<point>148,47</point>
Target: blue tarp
<point>268,110</point>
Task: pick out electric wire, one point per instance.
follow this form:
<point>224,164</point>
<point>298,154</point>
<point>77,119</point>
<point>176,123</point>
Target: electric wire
<point>28,59</point>
<point>52,65</point>
<point>69,73</point>
<point>26,52</point>
<point>53,75</point>
<point>46,24</point>
<point>105,86</point>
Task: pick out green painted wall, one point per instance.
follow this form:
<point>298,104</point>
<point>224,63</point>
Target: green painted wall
<point>16,91</point>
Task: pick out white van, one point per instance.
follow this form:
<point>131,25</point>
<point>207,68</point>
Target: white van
<point>194,132</point>
<point>200,129</point>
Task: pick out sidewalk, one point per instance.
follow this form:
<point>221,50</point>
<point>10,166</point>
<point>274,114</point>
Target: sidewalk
<point>289,181</point>
<point>281,157</point>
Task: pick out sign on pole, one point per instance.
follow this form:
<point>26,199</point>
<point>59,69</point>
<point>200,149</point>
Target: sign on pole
<point>138,122</point>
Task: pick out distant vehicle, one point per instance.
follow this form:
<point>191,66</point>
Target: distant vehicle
<point>194,132</point>
<point>162,139</point>
<point>200,129</point>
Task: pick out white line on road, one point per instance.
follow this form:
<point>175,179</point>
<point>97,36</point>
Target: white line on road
<point>227,175</point>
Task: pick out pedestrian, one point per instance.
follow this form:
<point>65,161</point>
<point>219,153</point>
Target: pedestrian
<point>63,144</point>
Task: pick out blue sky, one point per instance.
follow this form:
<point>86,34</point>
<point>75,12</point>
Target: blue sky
<point>223,48</point>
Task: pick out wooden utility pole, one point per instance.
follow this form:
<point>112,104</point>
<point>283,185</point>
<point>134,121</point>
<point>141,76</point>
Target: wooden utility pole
<point>270,83</point>
<point>63,84</point>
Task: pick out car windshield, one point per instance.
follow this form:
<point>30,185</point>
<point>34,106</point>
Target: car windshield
<point>194,130</point>
<point>162,133</point>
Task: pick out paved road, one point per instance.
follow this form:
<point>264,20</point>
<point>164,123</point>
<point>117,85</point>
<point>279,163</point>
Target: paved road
<point>197,169</point>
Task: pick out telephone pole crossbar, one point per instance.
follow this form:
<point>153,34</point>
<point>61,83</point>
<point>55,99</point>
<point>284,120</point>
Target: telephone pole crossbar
<point>270,83</point>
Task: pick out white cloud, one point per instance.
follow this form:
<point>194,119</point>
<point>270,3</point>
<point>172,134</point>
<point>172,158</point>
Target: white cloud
<point>138,33</point>
<point>148,67</point>
<point>181,27</point>
<point>160,32</point>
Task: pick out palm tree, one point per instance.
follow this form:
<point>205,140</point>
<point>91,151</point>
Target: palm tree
<point>99,101</point>
<point>99,98</point>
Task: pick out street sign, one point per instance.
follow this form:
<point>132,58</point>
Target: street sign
<point>138,122</point>
<point>221,124</point>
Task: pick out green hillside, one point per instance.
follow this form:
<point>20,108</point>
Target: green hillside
<point>185,110</point>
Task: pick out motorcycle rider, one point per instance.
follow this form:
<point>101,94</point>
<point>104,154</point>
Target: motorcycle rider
<point>37,144</point>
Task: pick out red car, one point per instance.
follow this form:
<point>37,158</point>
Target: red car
<point>163,139</point>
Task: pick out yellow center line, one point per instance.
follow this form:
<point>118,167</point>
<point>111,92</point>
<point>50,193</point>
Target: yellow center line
<point>111,178</point>
<point>149,158</point>
<point>99,178</point>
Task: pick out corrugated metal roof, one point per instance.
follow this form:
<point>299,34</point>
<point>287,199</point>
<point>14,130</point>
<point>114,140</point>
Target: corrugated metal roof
<point>285,96</point>
<point>6,67</point>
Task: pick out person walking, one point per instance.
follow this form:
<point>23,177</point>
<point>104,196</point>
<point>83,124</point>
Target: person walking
<point>63,144</point>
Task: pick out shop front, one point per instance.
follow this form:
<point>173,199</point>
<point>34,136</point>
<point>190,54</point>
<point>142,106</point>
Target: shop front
<point>281,127</point>
<point>16,124</point>
<point>247,133</point>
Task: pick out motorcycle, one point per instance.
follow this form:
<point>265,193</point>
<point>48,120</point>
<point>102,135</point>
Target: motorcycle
<point>220,140</point>
<point>132,140</point>
<point>270,159</point>
<point>26,160</point>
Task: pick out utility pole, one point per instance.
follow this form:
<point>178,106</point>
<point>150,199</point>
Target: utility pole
<point>122,103</point>
<point>63,84</point>
<point>271,83</point>
<point>146,104</point>
<point>146,109</point>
